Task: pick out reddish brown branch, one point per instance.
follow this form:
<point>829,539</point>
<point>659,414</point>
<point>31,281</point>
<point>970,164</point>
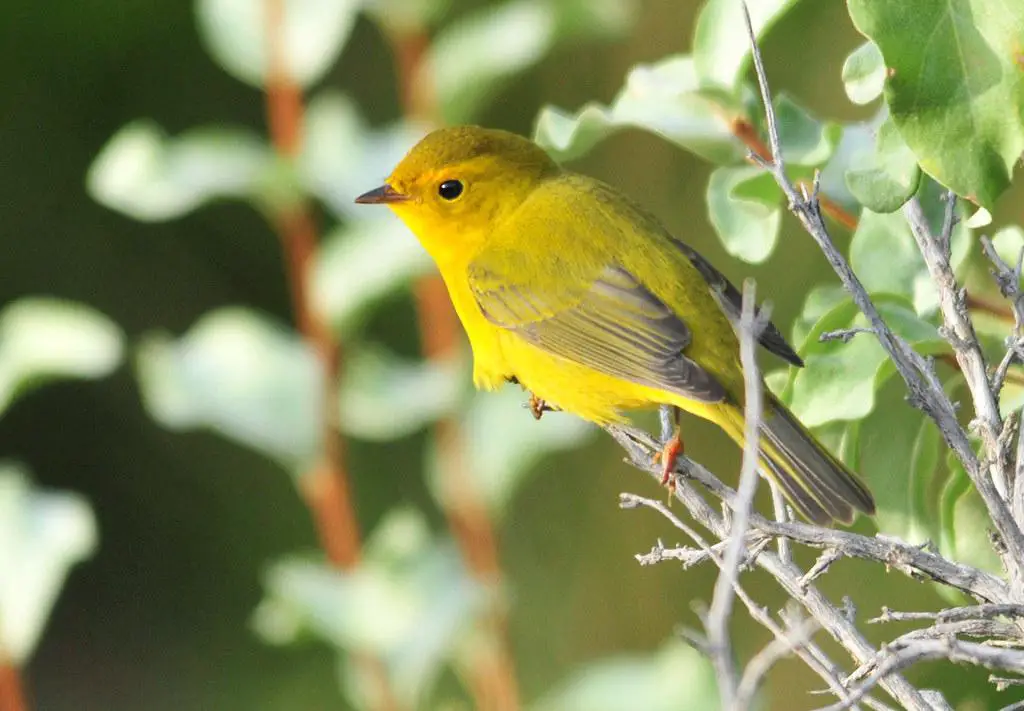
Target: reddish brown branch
<point>325,487</point>
<point>747,133</point>
<point>11,696</point>
<point>491,674</point>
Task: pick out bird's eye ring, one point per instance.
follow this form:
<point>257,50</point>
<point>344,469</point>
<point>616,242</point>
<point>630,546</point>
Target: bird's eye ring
<point>450,189</point>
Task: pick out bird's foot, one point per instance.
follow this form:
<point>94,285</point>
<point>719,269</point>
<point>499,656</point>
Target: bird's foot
<point>667,457</point>
<point>538,407</point>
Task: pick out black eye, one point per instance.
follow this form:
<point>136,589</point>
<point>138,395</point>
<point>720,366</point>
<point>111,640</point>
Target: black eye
<point>450,189</point>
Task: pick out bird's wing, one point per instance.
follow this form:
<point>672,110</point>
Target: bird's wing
<point>609,322</point>
<point>730,300</point>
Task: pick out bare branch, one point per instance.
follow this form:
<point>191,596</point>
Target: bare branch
<point>750,327</point>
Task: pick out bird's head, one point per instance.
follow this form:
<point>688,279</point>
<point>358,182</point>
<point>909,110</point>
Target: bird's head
<point>457,183</point>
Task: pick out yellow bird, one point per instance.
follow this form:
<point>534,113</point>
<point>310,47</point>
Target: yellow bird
<point>567,287</point>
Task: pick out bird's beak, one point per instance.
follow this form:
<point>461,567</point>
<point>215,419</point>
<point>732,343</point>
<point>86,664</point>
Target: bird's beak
<point>384,195</point>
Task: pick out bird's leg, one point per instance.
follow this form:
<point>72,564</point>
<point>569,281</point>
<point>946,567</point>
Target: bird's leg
<point>670,450</point>
<point>538,406</point>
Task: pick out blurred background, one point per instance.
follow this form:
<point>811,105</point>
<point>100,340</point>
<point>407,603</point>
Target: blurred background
<point>189,522</point>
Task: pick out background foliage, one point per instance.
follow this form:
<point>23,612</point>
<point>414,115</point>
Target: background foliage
<point>140,277</point>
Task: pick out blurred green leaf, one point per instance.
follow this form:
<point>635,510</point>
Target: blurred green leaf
<point>463,66</point>
<point>721,47</point>
<point>819,301</point>
<point>885,256</point>
<point>465,70</point>
<point>840,380</point>
<point>42,534</point>
<point>864,74</point>
<point>857,141</point>
<point>899,458</point>
<point>882,181</point>
<point>504,443</point>
<point>666,99</point>
<point>407,603</point>
<point>1008,242</point>
<point>313,35</point>
<point>960,60</point>
<point>804,139</point>
<point>239,374</point>
<point>146,175</point>
<point>674,678</point>
<point>384,397</point>
<point>46,339</point>
<point>965,521</point>
<point>744,206</point>
<point>342,157</point>
<point>360,264</point>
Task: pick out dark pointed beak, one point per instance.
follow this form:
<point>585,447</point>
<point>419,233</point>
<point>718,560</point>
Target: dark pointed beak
<point>384,195</point>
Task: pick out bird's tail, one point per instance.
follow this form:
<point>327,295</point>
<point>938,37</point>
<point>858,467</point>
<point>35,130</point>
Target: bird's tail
<point>818,485</point>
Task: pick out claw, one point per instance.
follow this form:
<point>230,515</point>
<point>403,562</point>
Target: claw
<point>667,457</point>
<point>537,407</point>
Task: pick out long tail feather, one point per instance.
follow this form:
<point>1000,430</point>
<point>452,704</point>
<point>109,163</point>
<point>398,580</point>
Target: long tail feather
<point>818,485</point>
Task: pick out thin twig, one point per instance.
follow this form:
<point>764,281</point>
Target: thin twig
<point>720,611</point>
<point>953,614</point>
<point>808,652</point>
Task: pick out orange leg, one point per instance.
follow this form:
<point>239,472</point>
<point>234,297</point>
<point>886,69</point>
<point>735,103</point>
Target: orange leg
<point>669,455</point>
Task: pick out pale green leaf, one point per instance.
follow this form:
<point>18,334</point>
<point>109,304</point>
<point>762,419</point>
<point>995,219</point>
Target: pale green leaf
<point>342,157</point>
<point>240,374</point>
<point>744,206</point>
<point>360,264</point>
<point>42,534</point>
<point>666,99</point>
<point>147,175</point>
<point>885,179</point>
<point>864,74</point>
<point>504,443</point>
<point>674,678</point>
<point>804,140</point>
<point>408,603</point>
<point>46,339</point>
<point>313,35</point>
<point>384,397</point>
<point>721,46</point>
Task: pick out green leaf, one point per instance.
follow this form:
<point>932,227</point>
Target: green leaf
<point>884,180</point>
<point>407,603</point>
<point>342,157</point>
<point>804,140</point>
<point>666,99</point>
<point>384,397</point>
<point>1008,242</point>
<point>840,380</point>
<point>885,256</point>
<point>965,521</point>
<point>463,65</point>
<point>721,47</point>
<point>857,142</point>
<point>46,339</point>
<point>675,678</point>
<point>956,89</point>
<point>362,263</point>
<point>864,74</point>
<point>404,16</point>
<point>744,208</point>
<point>239,374</point>
<point>504,443</point>
<point>313,35</point>
<point>820,300</point>
<point>42,534</point>
<point>899,438</point>
<point>146,175</point>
